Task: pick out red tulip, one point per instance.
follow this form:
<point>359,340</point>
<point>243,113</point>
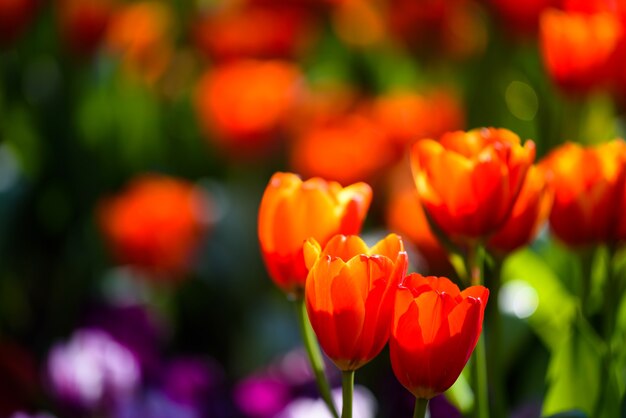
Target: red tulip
<point>577,47</point>
<point>587,184</point>
<point>155,225</point>
<point>435,329</point>
<point>468,182</point>
<point>529,213</point>
<point>350,293</point>
<point>293,211</point>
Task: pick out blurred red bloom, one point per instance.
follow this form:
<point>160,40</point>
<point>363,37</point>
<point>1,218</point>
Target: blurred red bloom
<point>452,28</point>
<point>140,34</point>
<point>529,213</point>
<point>408,116</point>
<point>83,23</point>
<point>587,184</point>
<point>244,104</point>
<point>469,181</point>
<point>15,15</point>
<point>280,31</point>
<point>577,47</point>
<point>350,294</point>
<point>347,148</point>
<point>435,329</point>
<point>155,224</point>
<point>19,379</point>
<point>292,211</point>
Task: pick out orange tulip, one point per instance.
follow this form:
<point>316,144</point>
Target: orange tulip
<point>350,293</point>
<point>280,31</point>
<point>529,213</point>
<point>468,182</point>
<point>435,329</point>
<point>325,150</point>
<point>408,116</point>
<point>155,225</point>
<point>246,102</point>
<point>587,182</point>
<point>292,211</point>
<point>577,47</point>
<point>140,34</point>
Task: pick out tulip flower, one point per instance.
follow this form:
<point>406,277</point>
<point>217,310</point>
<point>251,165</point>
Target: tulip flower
<point>140,33</point>
<point>350,293</point>
<point>530,211</point>
<point>15,16</point>
<point>83,23</point>
<point>587,182</point>
<point>324,149</point>
<point>293,210</point>
<point>577,47</point>
<point>469,181</point>
<point>435,329</point>
<point>246,102</point>
<point>155,225</point>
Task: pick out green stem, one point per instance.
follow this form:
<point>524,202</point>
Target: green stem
<point>475,256</point>
<point>420,408</point>
<point>347,386</point>
<point>586,259</point>
<point>493,326</point>
<point>479,379</point>
<point>315,356</point>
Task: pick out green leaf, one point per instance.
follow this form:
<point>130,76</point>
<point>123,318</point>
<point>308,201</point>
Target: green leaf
<point>575,372</point>
<point>556,308</point>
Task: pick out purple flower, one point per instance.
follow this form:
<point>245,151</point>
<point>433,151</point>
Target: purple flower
<point>188,381</point>
<point>154,404</point>
<point>92,370</point>
<point>261,396</point>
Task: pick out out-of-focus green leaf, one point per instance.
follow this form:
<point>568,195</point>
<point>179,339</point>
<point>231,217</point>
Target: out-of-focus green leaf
<point>575,372</point>
<point>556,307</point>
<point>569,414</point>
<point>23,139</point>
<point>460,394</point>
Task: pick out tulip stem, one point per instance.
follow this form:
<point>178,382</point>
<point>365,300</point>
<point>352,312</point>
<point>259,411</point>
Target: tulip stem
<point>475,258</point>
<point>315,356</point>
<point>347,386</point>
<point>420,408</point>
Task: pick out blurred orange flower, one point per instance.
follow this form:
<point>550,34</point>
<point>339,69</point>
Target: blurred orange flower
<point>83,23</point>
<point>155,225</point>
<point>244,103</point>
<point>469,181</point>
<point>350,295</point>
<point>587,182</point>
<point>529,213</point>
<point>577,47</point>
<point>348,148</point>
<point>280,31</point>
<point>435,329</point>
<point>408,116</point>
<point>292,211</point>
<point>15,15</point>
<point>140,34</point>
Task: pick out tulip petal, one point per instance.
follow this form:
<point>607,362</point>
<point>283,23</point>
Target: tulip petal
<point>389,246</point>
<point>345,247</point>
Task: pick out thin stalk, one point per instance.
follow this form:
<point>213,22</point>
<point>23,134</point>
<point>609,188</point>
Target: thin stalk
<point>347,389</point>
<point>420,408</point>
<point>475,257</point>
<point>315,356</point>
<point>494,340</point>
